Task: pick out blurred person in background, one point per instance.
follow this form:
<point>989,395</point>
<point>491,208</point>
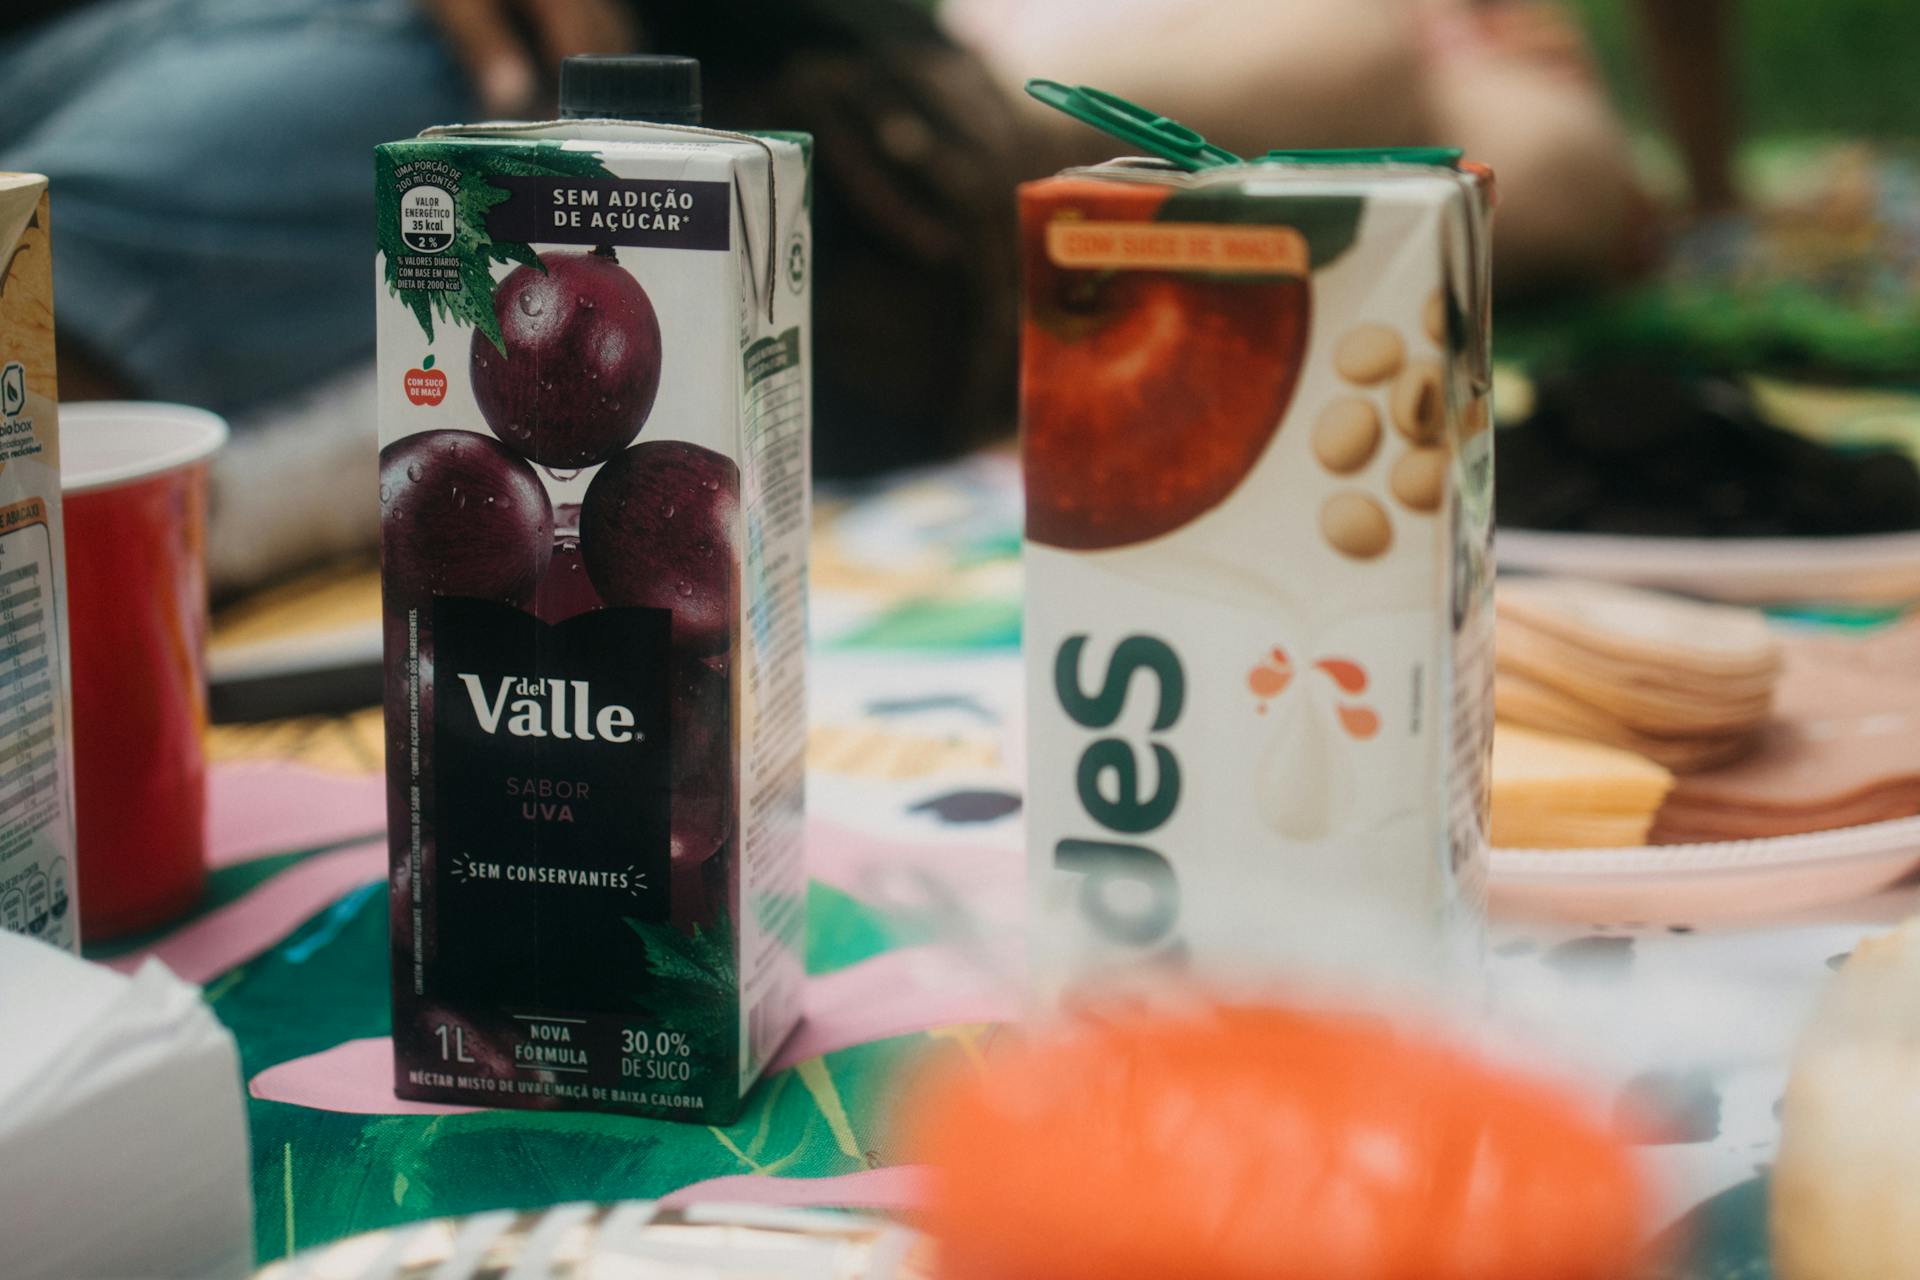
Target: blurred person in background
<point>211,169</point>
<point>1513,82</point>
<point>214,215</point>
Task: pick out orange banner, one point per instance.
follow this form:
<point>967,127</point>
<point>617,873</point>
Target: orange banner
<point>29,511</point>
<point>1219,248</point>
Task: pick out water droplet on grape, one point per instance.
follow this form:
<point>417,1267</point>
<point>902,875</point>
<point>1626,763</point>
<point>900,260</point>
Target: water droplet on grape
<point>711,484</point>
<point>666,512</point>
<point>684,587</point>
<point>517,431</point>
<point>459,498</point>
<point>586,303</point>
<point>546,384</point>
<point>615,406</point>
<point>530,303</point>
<point>489,499</point>
<point>386,494</point>
<point>482,362</point>
<point>415,471</point>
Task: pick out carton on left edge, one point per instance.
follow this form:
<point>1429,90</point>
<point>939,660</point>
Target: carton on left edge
<point>37,880</point>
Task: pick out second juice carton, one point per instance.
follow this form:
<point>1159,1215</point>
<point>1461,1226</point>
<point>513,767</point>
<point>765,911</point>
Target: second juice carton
<point>1259,569</point>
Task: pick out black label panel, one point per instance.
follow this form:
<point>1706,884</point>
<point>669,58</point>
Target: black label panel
<point>642,212</point>
<point>552,796</point>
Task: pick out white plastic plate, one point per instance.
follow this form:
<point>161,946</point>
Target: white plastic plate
<point>1704,883</point>
<point>1867,569</point>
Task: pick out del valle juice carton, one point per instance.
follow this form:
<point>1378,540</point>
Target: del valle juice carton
<point>36,757</point>
<point>1258,562</point>
<point>594,501</point>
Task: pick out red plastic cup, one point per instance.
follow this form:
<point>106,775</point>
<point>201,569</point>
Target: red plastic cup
<point>134,490</point>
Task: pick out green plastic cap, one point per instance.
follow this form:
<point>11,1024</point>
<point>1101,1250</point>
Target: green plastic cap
<point>1178,145</point>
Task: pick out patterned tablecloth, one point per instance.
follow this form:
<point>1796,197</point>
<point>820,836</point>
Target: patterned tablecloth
<point>915,847</point>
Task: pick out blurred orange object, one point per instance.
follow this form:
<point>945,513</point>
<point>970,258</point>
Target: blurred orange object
<point>1252,1142</point>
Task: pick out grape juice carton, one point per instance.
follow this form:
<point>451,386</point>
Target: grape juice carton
<point>1258,567</point>
<point>594,483</point>
<point>37,881</point>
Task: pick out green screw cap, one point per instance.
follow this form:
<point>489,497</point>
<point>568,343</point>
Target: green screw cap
<point>1133,124</point>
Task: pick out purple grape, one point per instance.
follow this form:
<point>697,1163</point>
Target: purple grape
<point>700,707</point>
<point>700,702</point>
<point>698,889</point>
<point>702,818</point>
<point>565,590</point>
<point>582,360</point>
<point>461,516</point>
<point>656,530</point>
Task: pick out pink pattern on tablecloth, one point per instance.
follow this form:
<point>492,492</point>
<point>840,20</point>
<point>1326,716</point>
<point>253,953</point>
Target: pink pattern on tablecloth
<point>250,924</point>
<point>355,1077</point>
<point>899,1188</point>
<point>256,809</point>
<point>894,994</point>
<point>984,882</point>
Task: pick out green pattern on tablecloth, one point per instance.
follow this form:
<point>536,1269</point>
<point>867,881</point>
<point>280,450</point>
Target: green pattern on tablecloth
<point>327,983</point>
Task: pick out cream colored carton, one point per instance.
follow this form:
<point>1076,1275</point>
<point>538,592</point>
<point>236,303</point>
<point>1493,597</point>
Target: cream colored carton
<point>1259,535</point>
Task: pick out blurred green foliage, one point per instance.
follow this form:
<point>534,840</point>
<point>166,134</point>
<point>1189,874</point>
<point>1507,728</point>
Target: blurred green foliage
<point>1819,66</point>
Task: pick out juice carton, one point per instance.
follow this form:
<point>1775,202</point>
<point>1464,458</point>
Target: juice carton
<point>37,881</point>
<point>594,493</point>
<point>1258,569</point>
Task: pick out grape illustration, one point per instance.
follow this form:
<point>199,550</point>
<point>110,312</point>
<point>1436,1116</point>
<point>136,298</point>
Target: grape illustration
<point>565,590</point>
<point>656,530</point>
<point>461,516</point>
<point>700,707</point>
<point>702,819</point>
<point>582,360</point>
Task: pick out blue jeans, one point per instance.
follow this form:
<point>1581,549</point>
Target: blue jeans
<point>212,179</point>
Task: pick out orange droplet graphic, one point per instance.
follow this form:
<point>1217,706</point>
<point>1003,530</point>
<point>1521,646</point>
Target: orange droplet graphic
<point>1280,656</point>
<point>1349,675</point>
<point>1359,722</point>
<point>1266,682</point>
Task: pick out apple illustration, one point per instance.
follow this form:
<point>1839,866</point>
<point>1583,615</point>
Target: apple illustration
<point>426,385</point>
<point>1147,394</point>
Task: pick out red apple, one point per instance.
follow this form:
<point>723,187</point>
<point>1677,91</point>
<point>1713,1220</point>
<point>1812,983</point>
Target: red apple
<point>426,385</point>
<point>1146,395</point>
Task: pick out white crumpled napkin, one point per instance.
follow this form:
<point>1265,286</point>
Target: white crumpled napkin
<point>123,1134</point>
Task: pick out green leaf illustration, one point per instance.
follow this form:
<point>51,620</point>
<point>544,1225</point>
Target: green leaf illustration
<point>704,957</point>
<point>473,253</point>
<point>691,986</point>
